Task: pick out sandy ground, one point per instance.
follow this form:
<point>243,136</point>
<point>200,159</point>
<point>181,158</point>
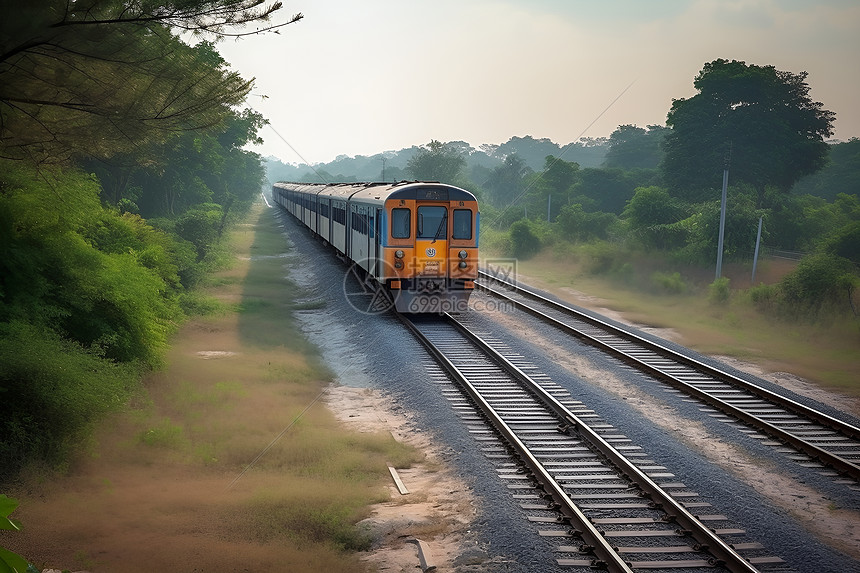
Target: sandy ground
<point>438,507</point>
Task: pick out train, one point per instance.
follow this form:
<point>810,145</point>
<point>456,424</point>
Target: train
<point>416,241</point>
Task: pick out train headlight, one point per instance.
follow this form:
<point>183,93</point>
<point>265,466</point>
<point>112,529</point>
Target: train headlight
<point>462,255</point>
<point>462,264</point>
<point>399,254</point>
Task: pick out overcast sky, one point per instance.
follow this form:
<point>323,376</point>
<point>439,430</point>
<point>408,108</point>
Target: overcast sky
<point>361,77</point>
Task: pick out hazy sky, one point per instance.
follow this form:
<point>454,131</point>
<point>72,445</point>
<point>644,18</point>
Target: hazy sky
<point>361,77</point>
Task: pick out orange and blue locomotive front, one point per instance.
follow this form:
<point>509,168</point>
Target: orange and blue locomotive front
<point>430,247</point>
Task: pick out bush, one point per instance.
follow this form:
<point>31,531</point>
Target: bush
<point>51,390</point>
<point>671,283</point>
<point>104,280</point>
<point>718,291</point>
<point>524,242</point>
<point>604,258</point>
<point>822,285</point>
<point>579,225</point>
<point>765,297</point>
<point>819,282</point>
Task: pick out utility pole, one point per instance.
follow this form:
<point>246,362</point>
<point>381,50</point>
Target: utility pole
<point>755,257</point>
<point>728,160</point>
<point>548,207</point>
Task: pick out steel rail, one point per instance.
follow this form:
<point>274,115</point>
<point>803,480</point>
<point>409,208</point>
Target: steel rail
<point>825,457</point>
<point>704,537</point>
<point>606,557</point>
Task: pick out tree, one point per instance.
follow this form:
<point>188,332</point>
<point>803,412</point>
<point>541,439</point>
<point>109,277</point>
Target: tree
<point>761,117</point>
<point>632,147</point>
<point>606,189</point>
<point>97,77</point>
<point>551,187</point>
<point>700,231</point>
<point>532,151</point>
<point>841,175</point>
<point>845,242</point>
<point>505,183</point>
<point>436,161</point>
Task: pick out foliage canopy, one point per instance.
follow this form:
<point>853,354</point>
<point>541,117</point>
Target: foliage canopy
<point>436,162</point>
<point>760,118</point>
<point>97,77</point>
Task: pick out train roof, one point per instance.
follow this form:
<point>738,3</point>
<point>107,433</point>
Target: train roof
<point>426,190</point>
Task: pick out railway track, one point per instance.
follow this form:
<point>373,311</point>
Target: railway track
<point>575,476</point>
<point>813,439</point>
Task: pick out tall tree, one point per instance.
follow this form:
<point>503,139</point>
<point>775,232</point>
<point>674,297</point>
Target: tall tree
<point>532,151</point>
<point>505,183</point>
<point>761,117</point>
<point>633,147</point>
<point>437,161</point>
<point>96,77</point>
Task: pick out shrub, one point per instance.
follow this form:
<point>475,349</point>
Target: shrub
<point>819,282</point>
<point>603,257</point>
<point>524,242</point>
<point>54,390</point>
<point>718,291</point>
<point>671,283</point>
<point>579,225</point>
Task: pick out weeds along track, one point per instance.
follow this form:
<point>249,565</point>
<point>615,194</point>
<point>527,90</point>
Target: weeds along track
<point>809,437</point>
<point>575,476</point>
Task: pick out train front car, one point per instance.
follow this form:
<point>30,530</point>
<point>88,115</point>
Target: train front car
<point>430,254</point>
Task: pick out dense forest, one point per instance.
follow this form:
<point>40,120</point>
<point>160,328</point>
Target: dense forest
<point>122,164</point>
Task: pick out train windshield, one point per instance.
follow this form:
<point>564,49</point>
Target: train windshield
<point>431,222</point>
<point>400,223</point>
<point>462,224</point>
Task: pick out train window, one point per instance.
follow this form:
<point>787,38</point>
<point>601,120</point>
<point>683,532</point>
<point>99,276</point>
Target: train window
<point>432,221</point>
<point>400,227</point>
<point>462,224</point>
<point>359,223</point>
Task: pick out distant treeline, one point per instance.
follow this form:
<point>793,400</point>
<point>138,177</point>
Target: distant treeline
<point>532,179</point>
<point>657,189</point>
<point>392,165</point>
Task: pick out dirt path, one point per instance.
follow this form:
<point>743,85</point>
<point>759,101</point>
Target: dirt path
<point>439,506</point>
